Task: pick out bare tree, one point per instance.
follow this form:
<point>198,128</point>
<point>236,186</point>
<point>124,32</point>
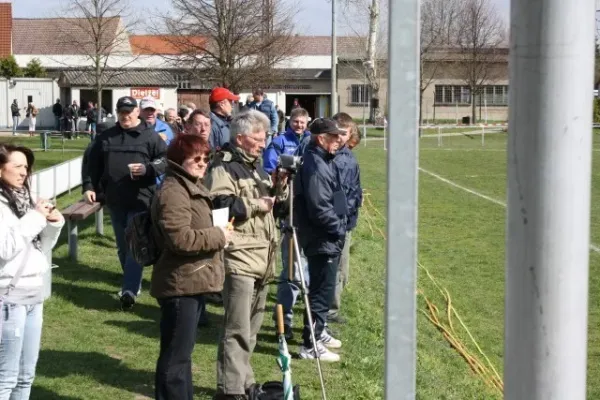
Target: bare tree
<point>361,13</point>
<point>480,33</point>
<point>99,30</point>
<point>234,43</point>
<point>439,20</point>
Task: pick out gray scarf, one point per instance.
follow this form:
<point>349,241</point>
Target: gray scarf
<point>24,203</point>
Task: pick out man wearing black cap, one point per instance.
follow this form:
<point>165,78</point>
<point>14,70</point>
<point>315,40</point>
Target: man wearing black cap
<point>320,217</point>
<point>124,162</point>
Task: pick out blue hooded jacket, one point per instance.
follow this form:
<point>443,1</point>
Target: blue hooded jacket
<point>320,220</point>
<point>349,173</point>
<point>286,143</point>
<point>166,133</point>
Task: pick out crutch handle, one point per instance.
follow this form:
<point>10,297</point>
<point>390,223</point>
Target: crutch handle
<point>279,312</point>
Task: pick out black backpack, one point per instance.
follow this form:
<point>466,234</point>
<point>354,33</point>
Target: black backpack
<point>270,391</point>
<point>139,235</point>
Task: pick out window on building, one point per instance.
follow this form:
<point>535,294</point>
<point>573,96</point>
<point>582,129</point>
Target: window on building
<point>452,95</point>
<point>491,95</point>
<point>183,81</point>
<point>495,95</point>
<point>359,95</point>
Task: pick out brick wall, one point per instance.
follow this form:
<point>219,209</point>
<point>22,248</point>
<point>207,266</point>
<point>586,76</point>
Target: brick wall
<point>5,29</point>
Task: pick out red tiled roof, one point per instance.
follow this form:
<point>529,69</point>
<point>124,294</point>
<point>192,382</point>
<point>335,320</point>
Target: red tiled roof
<point>347,46</point>
<point>162,44</point>
<point>58,36</point>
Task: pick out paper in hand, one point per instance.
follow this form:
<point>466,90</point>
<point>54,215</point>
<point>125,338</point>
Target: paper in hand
<point>220,217</point>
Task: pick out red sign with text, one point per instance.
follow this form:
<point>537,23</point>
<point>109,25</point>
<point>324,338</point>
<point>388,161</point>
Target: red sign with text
<point>140,93</point>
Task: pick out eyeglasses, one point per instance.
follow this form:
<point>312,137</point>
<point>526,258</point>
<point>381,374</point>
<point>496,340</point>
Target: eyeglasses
<point>197,159</point>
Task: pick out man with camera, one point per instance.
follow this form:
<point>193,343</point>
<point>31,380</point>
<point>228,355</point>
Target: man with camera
<point>286,145</point>
<point>321,211</point>
<point>237,181</point>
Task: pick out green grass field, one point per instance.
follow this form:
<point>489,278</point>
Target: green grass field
<point>91,350</point>
<point>55,154</point>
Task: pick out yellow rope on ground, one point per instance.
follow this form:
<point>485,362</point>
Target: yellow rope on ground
<point>490,378</point>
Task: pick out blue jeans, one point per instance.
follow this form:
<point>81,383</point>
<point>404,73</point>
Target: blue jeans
<point>15,124</point>
<point>132,271</point>
<point>19,349</point>
<point>287,292</point>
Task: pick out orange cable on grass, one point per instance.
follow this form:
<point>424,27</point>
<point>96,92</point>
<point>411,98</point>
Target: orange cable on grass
<point>491,379</point>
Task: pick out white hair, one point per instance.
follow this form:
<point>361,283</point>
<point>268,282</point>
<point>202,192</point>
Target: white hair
<point>249,122</point>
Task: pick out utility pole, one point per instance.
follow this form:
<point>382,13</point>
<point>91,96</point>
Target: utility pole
<point>334,95</point>
<point>549,184</point>
<point>402,157</point>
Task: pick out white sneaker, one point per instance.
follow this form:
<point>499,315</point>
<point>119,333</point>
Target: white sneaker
<point>329,341</point>
<point>324,353</point>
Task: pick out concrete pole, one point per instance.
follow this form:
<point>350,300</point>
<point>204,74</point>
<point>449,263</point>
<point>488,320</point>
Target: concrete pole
<point>549,183</point>
<point>403,103</point>
<point>334,95</point>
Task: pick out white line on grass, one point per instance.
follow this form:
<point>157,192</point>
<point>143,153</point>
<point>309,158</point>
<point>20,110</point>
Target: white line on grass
<point>593,246</point>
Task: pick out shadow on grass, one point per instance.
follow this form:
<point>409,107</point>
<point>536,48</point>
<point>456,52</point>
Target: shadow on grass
<point>104,369</point>
<point>43,393</point>
<point>151,328</point>
<point>100,300</point>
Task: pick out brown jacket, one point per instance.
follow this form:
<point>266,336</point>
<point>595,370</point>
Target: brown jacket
<point>191,262</point>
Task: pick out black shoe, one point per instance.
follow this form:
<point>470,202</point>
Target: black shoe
<point>288,333</point>
<point>337,319</point>
<point>127,301</point>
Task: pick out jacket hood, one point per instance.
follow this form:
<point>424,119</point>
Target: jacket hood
<point>238,154</point>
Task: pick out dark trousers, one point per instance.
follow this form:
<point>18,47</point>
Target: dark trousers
<point>322,270</point>
<point>178,325</point>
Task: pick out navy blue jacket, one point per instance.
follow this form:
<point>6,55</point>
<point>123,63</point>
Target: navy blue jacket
<point>321,228</point>
<point>282,144</point>
<point>349,174</point>
<point>219,131</point>
<point>268,108</point>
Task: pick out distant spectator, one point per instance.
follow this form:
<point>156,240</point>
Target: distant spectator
<point>148,110</point>
<point>221,106</point>
<point>29,231</point>
<point>57,110</point>
<point>31,113</point>
<point>16,114</point>
<point>171,119</point>
<point>262,104</point>
<point>76,113</point>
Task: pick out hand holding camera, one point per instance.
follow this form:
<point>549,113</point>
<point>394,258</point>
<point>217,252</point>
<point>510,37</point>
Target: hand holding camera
<point>266,204</point>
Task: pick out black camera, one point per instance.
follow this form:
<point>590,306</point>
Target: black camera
<point>289,162</point>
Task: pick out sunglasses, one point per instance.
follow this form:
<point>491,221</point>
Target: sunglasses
<point>197,159</point>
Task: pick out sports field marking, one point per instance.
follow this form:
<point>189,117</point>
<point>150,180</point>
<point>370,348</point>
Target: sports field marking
<point>593,246</point>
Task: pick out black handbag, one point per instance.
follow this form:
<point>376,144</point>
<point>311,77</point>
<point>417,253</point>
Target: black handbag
<point>270,391</point>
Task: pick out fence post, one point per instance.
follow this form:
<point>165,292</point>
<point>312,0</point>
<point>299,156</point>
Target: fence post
<point>100,222</point>
<point>549,199</point>
<point>483,137</point>
<point>402,196</point>
<point>439,136</point>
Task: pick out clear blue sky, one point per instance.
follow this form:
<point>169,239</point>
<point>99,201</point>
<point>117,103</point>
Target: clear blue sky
<point>314,17</point>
